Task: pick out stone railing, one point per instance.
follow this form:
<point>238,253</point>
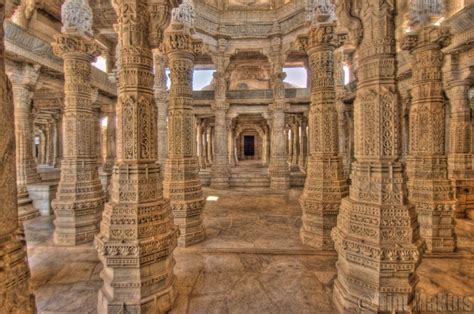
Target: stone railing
<point>252,94</point>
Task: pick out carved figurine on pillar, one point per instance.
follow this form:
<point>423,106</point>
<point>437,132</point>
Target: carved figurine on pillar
<point>80,198</point>
<point>137,235</point>
<point>427,169</point>
<point>15,295</point>
<point>24,78</point>
<point>182,184</point>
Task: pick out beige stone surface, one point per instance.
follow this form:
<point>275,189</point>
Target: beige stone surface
<point>251,262</point>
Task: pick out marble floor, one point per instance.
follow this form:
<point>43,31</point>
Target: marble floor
<point>251,262</point>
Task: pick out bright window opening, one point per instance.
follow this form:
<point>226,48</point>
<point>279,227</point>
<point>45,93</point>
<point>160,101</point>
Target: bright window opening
<point>212,198</point>
<point>202,78</point>
<point>346,70</point>
<point>298,77</point>
<point>104,122</point>
<point>101,64</point>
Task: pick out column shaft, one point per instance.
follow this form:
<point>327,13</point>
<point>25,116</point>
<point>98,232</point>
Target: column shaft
<point>182,184</point>
<point>376,236</point>
<point>23,79</point>
<point>137,235</point>
<point>15,296</point>
<point>325,183</point>
<point>427,169</point>
<point>460,156</point>
<point>79,199</point>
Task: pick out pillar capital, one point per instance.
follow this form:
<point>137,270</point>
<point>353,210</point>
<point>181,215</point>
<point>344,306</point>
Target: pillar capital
<point>74,45</point>
<point>23,74</point>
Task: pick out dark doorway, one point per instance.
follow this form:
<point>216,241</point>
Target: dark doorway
<point>249,145</point>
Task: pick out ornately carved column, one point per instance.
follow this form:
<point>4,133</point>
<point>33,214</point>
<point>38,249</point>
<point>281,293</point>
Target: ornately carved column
<point>220,171</point>
<point>79,199</point>
<point>376,237</point>
<point>325,183</point>
<point>15,296</point>
<point>137,235</point>
<point>303,145</point>
<point>460,156</point>
<point>278,169</point>
<point>296,142</point>
<point>24,78</point>
<point>427,169</point>
<point>161,98</point>
<point>182,184</point>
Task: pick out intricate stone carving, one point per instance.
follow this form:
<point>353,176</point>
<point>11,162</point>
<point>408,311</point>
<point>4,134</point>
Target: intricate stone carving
<point>79,199</point>
<point>182,184</point>
<point>325,184</point>
<point>161,99</point>
<point>24,78</point>
<point>15,296</point>
<point>137,235</point>
<point>377,258</point>
<point>428,186</point>
<point>220,171</point>
<point>77,15</point>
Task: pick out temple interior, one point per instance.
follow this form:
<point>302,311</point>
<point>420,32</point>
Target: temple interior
<point>236,156</point>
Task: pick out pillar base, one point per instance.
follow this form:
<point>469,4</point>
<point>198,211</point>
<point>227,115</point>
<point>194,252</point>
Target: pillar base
<point>321,242</point>
<point>15,293</point>
<point>42,195</point>
<point>220,183</point>
<point>126,301</point>
<point>437,227</point>
<point>191,229</point>
<point>280,183</point>
<point>26,210</point>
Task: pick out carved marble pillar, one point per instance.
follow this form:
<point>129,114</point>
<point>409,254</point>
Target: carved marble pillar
<point>325,183</point>
<point>460,156</point>
<point>161,99</point>
<point>137,235</point>
<point>182,184</point>
<point>231,143</point>
<point>209,145</point>
<point>303,145</point>
<point>15,296</point>
<point>200,152</point>
<point>79,198</point>
<point>278,169</point>
<point>220,171</point>
<point>59,138</point>
<point>50,139</point>
<point>296,143</point>
<point>427,169</point>
<point>376,237</point>
<point>24,78</point>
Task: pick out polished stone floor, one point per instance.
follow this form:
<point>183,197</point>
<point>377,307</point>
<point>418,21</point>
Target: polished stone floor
<point>251,262</point>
